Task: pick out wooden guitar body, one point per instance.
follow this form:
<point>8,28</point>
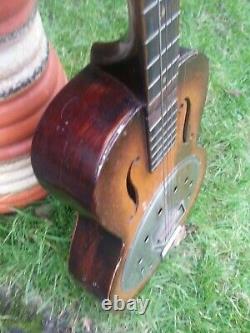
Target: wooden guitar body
<point>91,150</point>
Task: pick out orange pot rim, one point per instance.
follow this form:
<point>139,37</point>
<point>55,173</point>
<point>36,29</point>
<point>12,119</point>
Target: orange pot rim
<point>21,130</point>
<point>14,15</point>
<point>9,203</point>
<point>14,151</point>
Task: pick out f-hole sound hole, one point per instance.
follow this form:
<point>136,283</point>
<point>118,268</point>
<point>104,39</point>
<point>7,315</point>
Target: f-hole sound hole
<point>132,192</point>
<point>186,127</point>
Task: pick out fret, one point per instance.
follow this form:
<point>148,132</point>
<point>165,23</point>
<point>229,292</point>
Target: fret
<point>173,4</point>
<point>152,22</point>
<point>174,63</point>
<point>171,105</point>
<point>165,76</point>
<point>162,121</point>
<point>150,6</point>
<point>163,131</point>
<point>161,153</point>
<point>166,117</point>
<point>172,29</point>
<point>154,73</point>
<point>172,49</point>
<point>152,32</point>
<point>172,79</point>
<point>152,48</point>
<point>155,98</point>
<point>163,135</point>
<point>174,41</point>
<point>155,90</point>
<point>152,37</point>
<point>173,18</point>
<point>155,60</point>
<point>162,147</point>
<point>154,82</point>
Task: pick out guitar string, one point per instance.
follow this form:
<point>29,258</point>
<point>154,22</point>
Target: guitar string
<point>162,115</point>
<point>170,194</point>
<point>173,185</point>
<point>164,18</point>
<point>177,7</point>
<point>167,103</point>
<point>169,74</point>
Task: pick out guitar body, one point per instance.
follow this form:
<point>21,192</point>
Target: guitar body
<point>90,148</point>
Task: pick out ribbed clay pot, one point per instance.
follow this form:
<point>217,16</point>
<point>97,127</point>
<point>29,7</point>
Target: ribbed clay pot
<point>30,76</point>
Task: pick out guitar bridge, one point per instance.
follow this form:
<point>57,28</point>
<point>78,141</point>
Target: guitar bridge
<point>169,237</point>
<point>176,238</point>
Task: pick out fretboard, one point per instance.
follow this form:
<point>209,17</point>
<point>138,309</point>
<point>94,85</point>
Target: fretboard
<point>160,20</point>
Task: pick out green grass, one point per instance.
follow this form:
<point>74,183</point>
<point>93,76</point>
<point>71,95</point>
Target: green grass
<point>204,285</point>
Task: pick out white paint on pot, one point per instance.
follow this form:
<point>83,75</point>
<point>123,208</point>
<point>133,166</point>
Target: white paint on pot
<point>17,164</point>
<point>16,176</point>
<point>19,186</point>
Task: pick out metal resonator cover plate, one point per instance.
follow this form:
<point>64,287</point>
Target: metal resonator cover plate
<point>160,223</point>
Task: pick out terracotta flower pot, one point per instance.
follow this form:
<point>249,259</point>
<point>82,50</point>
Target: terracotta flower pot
<point>30,76</point>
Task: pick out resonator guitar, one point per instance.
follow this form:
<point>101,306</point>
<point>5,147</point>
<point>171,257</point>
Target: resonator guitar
<point>119,143</point>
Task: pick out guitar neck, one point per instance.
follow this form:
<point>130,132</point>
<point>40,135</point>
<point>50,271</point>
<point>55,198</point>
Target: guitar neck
<point>159,43</point>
